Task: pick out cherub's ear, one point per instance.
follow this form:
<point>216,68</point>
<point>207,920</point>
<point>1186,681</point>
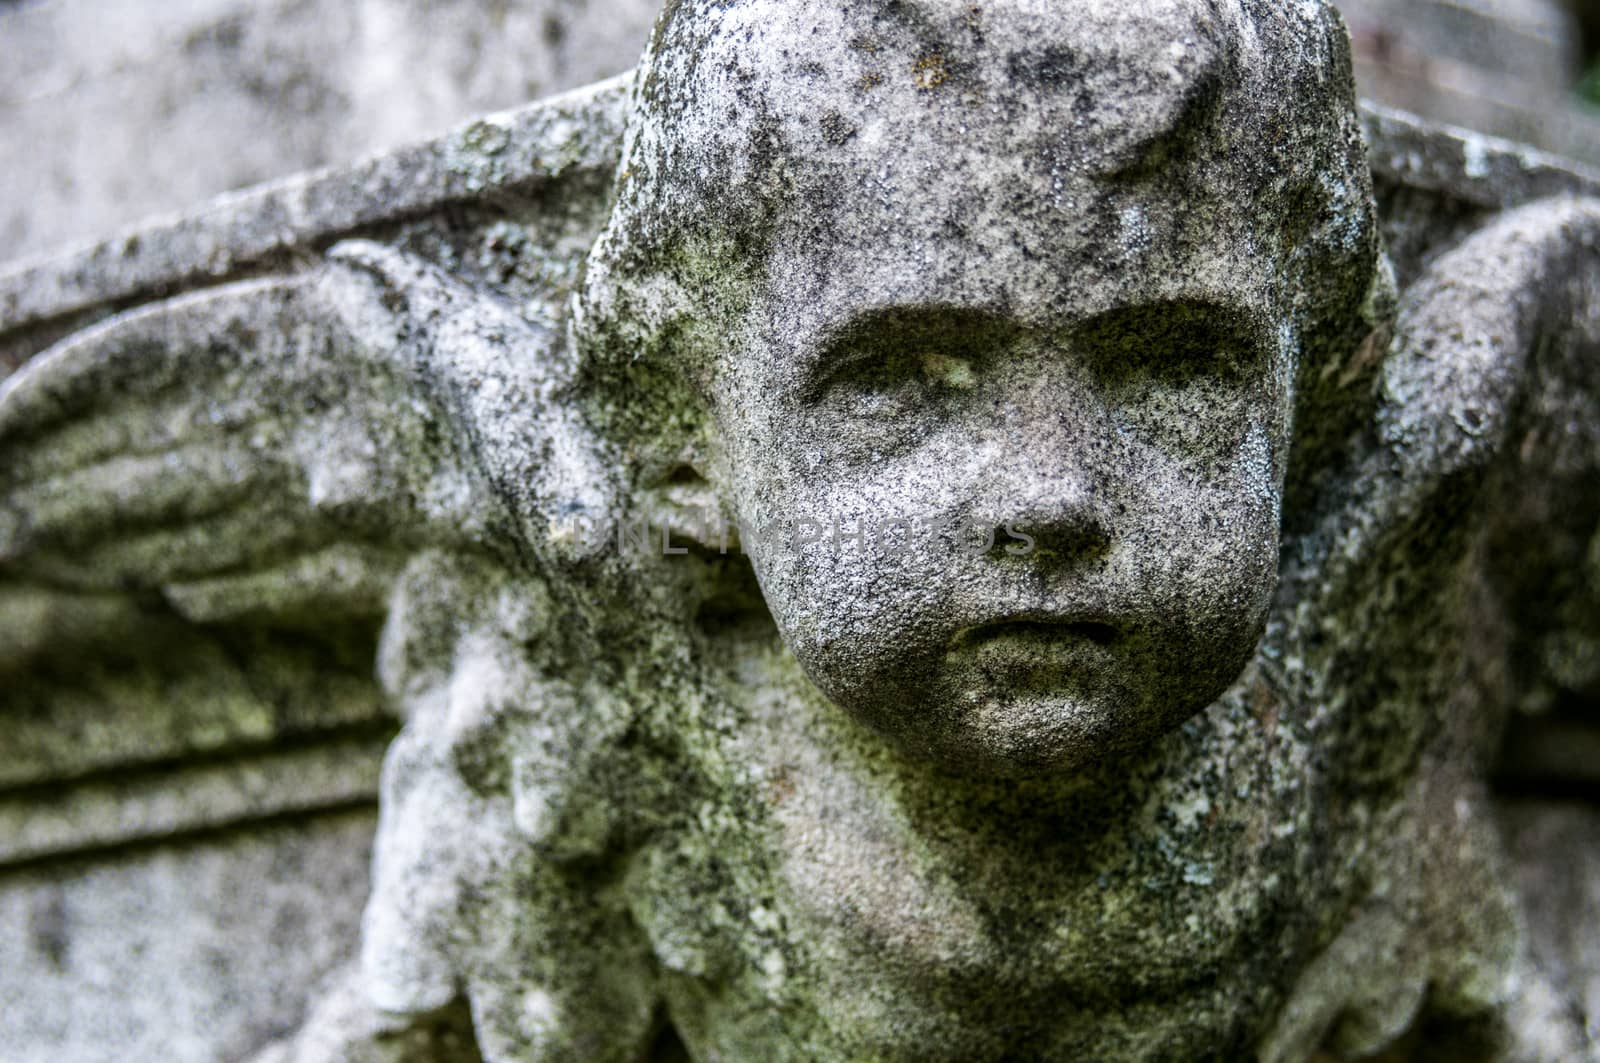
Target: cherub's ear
<point>281,444</point>
<point>680,508</point>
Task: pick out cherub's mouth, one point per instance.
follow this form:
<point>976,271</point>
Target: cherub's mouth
<point>1032,629</point>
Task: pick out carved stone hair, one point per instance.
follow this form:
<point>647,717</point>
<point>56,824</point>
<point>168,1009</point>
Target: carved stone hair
<point>729,102</point>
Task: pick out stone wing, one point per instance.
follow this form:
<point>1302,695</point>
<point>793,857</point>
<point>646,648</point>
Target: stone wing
<point>278,445</point>
<point>1493,388</point>
<point>1464,528</point>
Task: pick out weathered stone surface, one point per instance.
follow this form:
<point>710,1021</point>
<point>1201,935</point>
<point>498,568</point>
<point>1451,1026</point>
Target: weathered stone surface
<point>504,163</point>
<point>192,952</point>
<point>1555,847</point>
<point>118,114</point>
<point>115,112</point>
<point>1199,774</point>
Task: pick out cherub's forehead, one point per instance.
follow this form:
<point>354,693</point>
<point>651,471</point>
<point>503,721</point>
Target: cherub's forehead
<point>988,159</point>
<point>1093,85</point>
<point>1041,162</point>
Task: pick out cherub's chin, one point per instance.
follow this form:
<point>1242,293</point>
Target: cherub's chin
<point>1048,721</point>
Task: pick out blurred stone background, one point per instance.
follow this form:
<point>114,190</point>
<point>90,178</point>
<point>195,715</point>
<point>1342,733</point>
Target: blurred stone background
<point>114,110</point>
<point>1524,69</point>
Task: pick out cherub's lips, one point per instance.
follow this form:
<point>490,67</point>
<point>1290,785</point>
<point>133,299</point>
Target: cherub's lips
<point>1043,628</point>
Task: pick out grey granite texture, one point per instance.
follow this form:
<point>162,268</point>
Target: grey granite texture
<point>116,112</point>
<point>1286,435</point>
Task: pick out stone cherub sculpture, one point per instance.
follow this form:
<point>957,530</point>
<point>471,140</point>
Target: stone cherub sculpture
<point>1182,760</point>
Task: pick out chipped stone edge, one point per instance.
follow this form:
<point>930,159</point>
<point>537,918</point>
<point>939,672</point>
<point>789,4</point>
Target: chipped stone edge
<point>507,152</point>
<point>1475,168</point>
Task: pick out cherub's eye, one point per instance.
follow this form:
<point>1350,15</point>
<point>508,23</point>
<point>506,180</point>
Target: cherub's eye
<point>937,348</point>
<point>881,404</point>
<point>947,370</point>
<point>1182,375</point>
<point>1174,343</point>
<point>924,374</point>
<point>888,402</point>
<point>895,379</point>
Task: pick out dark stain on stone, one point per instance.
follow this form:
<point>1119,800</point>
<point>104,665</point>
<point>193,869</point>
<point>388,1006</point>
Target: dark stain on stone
<point>1051,67</point>
<point>47,929</point>
<point>553,30</point>
<point>836,129</point>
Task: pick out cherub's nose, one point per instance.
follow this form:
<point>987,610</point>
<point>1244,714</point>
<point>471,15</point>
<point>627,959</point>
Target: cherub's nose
<point>1051,486</point>
<point>1064,517</point>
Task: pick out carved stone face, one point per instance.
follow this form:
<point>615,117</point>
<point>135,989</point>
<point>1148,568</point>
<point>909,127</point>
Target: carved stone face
<point>1117,453</point>
<point>972,324</point>
<point>988,272</point>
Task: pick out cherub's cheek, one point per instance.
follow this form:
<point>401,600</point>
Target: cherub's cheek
<point>1191,539</point>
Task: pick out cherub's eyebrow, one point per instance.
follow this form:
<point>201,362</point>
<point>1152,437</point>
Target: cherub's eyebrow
<point>1236,317</point>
